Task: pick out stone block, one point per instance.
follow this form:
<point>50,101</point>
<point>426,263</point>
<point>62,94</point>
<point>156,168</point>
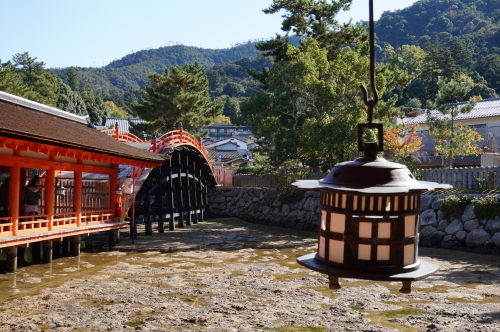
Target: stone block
<point>426,202</point>
<point>448,238</point>
<point>427,231</point>
<point>496,240</point>
<point>468,213</point>
<point>477,237</point>
<point>285,209</point>
<point>493,226</point>
<point>469,225</point>
<point>442,224</point>
<point>437,237</point>
<point>461,235</point>
<point>436,204</point>
<point>425,242</point>
<point>428,217</point>
<point>455,226</point>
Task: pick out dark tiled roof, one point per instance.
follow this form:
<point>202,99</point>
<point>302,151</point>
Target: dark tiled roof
<point>483,109</point>
<point>224,125</point>
<point>20,121</point>
<point>123,124</point>
<point>226,155</point>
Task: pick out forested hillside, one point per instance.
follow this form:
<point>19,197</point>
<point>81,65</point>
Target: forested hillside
<point>130,72</point>
<point>474,23</point>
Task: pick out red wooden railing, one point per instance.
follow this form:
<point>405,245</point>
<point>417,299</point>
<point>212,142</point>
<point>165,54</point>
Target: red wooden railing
<point>6,226</point>
<point>32,224</point>
<point>96,217</point>
<point>177,137</point>
<point>123,136</point>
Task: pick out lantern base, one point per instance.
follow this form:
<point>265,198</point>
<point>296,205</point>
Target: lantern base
<point>425,269</point>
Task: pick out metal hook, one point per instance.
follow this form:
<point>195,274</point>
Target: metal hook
<point>370,103</point>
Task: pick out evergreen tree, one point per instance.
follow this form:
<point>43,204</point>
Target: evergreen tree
<point>70,101</point>
<point>10,82</point>
<point>231,108</point>
<point>44,84</point>
<point>179,95</point>
<point>73,81</point>
<point>317,19</point>
<point>452,138</point>
<point>95,107</point>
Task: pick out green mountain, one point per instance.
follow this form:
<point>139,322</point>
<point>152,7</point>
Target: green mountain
<point>473,23</point>
<point>130,72</point>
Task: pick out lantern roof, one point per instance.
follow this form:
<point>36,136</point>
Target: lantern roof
<point>372,175</point>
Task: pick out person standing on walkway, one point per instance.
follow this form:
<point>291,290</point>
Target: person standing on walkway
<point>32,193</point>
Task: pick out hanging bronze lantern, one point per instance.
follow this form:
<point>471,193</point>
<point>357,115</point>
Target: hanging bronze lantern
<point>369,212</point>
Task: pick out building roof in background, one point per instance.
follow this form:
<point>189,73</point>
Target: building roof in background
<point>227,140</point>
<point>53,127</point>
<point>123,123</point>
<point>226,125</point>
<point>483,109</point>
<point>226,155</point>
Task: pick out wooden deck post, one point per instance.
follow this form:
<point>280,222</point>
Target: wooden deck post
<point>75,245</point>
<point>187,190</point>
<point>179,192</point>
<point>193,192</point>
<point>11,259</point>
<point>170,196</point>
<point>159,200</point>
<point>112,236</point>
<point>148,224</point>
<point>36,251</point>
<point>47,251</point>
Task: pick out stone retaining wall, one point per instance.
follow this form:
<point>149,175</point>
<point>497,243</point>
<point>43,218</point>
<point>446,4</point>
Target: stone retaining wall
<point>264,206</point>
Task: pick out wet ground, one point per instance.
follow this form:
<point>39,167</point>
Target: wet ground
<point>228,275</point>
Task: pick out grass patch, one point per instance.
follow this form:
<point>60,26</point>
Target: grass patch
<point>134,323</point>
<point>355,307</point>
<point>405,312</point>
<point>295,329</point>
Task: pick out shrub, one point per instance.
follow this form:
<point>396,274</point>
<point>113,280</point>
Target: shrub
<point>486,207</point>
<point>453,206</point>
<point>289,194</point>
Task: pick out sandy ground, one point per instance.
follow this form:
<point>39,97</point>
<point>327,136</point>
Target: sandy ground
<point>228,275</point>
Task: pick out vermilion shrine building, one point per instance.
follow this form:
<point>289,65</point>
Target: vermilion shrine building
<point>56,143</point>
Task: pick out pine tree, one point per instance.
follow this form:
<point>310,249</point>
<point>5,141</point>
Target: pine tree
<point>71,101</point>
<point>95,107</point>
<point>179,95</point>
<point>41,81</point>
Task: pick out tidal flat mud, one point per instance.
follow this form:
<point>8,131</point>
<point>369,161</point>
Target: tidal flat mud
<point>229,275</point>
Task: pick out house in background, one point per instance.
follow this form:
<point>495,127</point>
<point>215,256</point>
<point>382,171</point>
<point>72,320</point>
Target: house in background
<point>220,131</point>
<point>228,152</point>
<point>484,118</point>
<point>123,123</point>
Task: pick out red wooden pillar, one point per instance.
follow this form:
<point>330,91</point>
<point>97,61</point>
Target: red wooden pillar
<point>50,193</point>
<point>77,196</point>
<point>14,187</point>
<point>113,184</point>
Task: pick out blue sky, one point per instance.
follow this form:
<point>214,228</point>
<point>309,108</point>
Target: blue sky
<point>92,33</point>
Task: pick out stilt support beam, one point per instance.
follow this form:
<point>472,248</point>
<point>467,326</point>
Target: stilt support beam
<point>48,248</point>
<point>11,259</point>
